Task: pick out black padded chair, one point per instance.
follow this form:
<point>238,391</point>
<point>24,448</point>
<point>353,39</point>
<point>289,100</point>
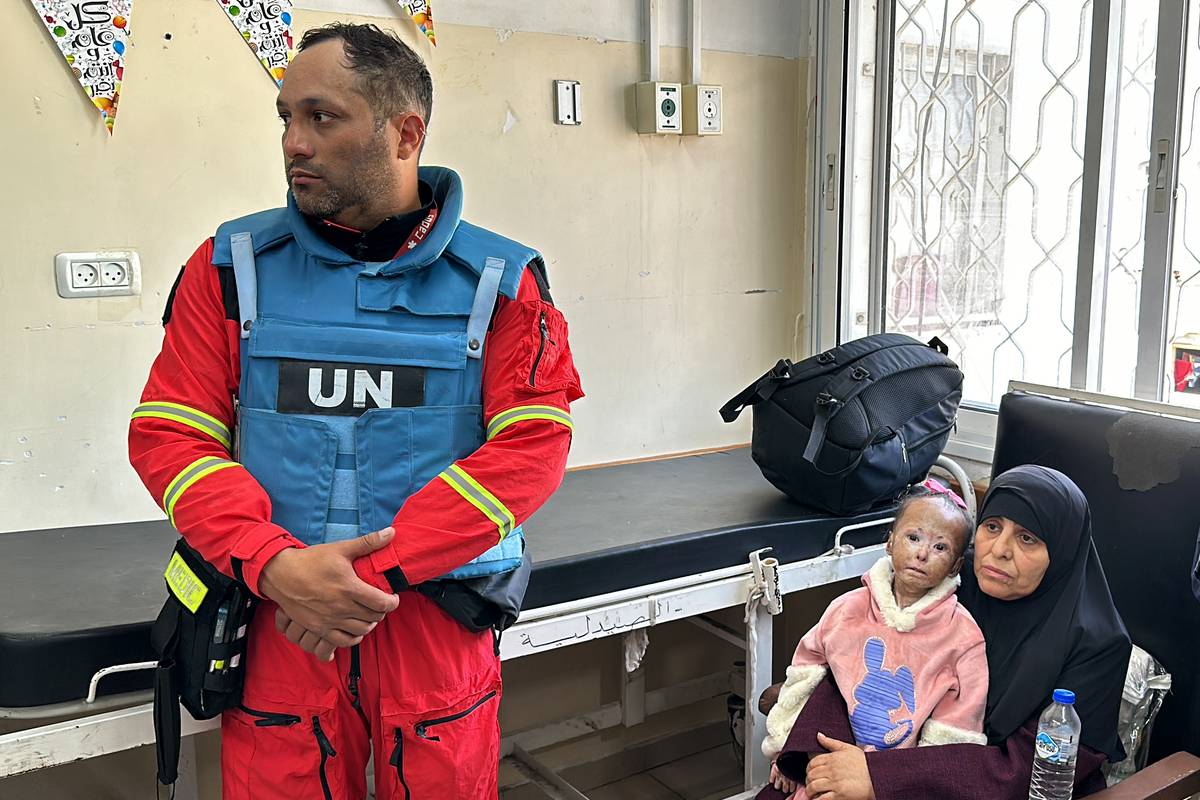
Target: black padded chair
<point>1141,474</point>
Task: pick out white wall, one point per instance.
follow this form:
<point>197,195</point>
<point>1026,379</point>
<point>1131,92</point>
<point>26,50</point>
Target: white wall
<point>752,27</point>
<point>678,261</point>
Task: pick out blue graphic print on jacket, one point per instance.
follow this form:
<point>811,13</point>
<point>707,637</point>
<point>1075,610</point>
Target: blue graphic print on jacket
<point>877,695</point>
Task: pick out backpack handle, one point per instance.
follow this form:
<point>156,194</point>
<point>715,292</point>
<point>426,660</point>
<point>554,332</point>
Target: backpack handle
<point>781,373</point>
<point>758,391</point>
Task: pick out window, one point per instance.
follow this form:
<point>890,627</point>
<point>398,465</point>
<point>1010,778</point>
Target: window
<point>948,159</point>
<point>1011,186</point>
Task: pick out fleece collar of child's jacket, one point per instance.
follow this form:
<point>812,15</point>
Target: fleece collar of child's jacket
<point>878,581</point>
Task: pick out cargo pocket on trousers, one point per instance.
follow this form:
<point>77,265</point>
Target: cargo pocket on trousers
<point>284,748</point>
<point>447,751</point>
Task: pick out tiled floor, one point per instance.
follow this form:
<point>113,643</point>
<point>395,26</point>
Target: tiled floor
<point>708,775</point>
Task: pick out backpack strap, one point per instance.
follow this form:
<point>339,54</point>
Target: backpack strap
<point>837,394</point>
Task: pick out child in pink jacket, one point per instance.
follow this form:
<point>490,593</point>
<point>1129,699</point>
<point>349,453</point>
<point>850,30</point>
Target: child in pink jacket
<point>907,658</point>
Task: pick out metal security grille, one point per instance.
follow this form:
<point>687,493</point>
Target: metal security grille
<point>985,172</point>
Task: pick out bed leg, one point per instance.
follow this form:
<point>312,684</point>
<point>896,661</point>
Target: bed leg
<point>633,677</point>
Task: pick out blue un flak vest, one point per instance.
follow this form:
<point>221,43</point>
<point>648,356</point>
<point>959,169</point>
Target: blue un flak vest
<point>361,382</point>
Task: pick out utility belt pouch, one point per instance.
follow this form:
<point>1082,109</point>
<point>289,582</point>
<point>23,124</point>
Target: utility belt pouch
<point>478,604</point>
<point>200,639</point>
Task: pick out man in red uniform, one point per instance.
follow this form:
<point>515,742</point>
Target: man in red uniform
<point>343,654</point>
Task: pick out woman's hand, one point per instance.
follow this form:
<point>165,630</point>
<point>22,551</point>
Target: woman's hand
<point>782,782</point>
<point>840,774</point>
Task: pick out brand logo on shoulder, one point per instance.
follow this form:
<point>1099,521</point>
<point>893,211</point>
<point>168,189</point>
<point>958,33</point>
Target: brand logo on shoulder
<point>330,388</point>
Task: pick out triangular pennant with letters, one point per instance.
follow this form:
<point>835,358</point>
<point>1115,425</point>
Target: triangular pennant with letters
<point>266,25</point>
<point>92,36</point>
<point>422,15</point>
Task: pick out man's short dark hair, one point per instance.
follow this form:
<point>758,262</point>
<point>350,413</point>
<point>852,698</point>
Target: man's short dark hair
<point>391,76</point>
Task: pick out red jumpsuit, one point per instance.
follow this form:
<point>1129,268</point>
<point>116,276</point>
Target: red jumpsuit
<point>427,690</point>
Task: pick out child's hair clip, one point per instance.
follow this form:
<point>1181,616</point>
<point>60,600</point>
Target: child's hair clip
<point>937,487</point>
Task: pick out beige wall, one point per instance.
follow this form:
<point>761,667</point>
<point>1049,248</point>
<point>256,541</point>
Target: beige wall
<point>677,260</point>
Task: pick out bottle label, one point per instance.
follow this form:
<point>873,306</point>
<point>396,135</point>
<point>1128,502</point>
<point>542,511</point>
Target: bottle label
<point>1048,748</point>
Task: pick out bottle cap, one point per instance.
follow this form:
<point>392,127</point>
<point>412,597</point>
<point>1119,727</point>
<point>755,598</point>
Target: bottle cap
<point>1064,696</point>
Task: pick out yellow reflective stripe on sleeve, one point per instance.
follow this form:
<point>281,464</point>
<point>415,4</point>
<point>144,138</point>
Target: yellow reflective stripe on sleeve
<point>481,498</point>
<point>198,469</point>
<point>192,417</point>
<point>520,413</point>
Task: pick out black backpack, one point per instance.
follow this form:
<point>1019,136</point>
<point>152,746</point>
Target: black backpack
<point>855,425</point>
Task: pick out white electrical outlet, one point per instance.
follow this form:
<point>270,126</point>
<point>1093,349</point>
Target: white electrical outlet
<point>84,275</point>
<point>702,110</point>
<point>659,107</point>
<point>104,273</point>
<point>114,273</point>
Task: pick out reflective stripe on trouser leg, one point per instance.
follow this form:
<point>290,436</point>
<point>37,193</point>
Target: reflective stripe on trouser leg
<point>481,498</point>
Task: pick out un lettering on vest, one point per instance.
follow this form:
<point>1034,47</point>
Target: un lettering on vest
<point>338,389</point>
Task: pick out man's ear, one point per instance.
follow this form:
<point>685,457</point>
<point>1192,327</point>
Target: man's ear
<point>410,135</point>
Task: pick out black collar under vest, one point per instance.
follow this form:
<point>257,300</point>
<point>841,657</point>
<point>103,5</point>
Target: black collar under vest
<point>382,242</point>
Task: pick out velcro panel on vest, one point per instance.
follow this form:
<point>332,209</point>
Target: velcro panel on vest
<point>443,289</point>
<point>275,338</point>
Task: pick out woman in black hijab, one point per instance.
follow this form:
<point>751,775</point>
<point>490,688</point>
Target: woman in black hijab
<point>1065,634</point>
<point>1039,594</point>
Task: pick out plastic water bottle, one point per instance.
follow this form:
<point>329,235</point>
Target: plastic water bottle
<point>1054,750</point>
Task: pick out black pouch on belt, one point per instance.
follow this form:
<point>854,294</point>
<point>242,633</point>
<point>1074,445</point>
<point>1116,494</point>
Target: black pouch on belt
<point>200,638</point>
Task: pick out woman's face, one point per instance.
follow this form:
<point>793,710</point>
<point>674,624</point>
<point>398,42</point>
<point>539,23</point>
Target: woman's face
<point>1010,561</point>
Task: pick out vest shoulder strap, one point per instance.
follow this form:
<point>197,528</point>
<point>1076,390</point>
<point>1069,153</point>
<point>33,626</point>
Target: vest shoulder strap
<point>266,229</point>
<point>476,247</point>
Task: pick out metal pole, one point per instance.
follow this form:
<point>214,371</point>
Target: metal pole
<point>695,13</point>
<point>1160,200</point>
<point>885,38</point>
<point>1095,215</point>
<point>652,39</point>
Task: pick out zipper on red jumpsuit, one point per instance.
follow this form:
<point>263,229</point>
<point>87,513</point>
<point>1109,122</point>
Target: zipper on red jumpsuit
<point>270,719</point>
<point>544,331</point>
<point>422,731</point>
<point>326,752</point>
<point>422,727</point>
<point>354,677</point>
<point>397,761</point>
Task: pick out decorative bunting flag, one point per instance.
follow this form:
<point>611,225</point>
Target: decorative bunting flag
<point>92,35</point>
<point>422,15</point>
<point>266,25</point>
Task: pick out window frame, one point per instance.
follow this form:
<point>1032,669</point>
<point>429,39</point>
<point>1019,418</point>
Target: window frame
<point>837,43</point>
